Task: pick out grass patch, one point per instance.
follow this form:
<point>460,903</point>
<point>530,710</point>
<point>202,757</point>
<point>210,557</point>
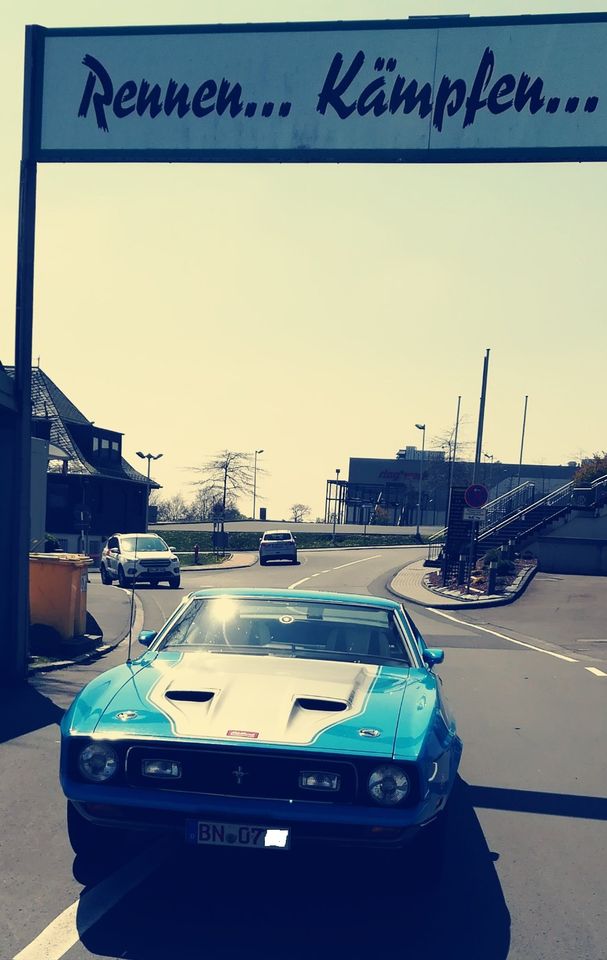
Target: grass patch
<point>204,559</point>
<point>184,541</point>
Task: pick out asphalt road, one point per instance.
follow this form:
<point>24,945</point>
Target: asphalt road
<point>525,875</point>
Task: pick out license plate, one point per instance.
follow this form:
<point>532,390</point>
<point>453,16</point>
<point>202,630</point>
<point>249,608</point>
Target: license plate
<point>236,835</point>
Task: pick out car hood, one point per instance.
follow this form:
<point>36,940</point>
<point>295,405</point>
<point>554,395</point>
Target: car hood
<point>149,555</point>
<point>261,700</point>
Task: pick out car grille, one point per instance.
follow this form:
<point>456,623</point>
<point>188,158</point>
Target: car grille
<point>155,564</point>
<point>254,774</point>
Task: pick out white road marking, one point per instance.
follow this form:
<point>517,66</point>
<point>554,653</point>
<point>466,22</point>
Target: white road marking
<point>589,640</point>
<point>503,636</point>
<point>596,671</point>
<point>352,562</point>
<point>341,565</point>
<point>297,582</point>
<point>67,929</point>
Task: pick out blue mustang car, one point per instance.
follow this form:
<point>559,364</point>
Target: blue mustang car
<point>265,718</point>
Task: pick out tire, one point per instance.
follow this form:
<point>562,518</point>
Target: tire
<point>87,840</point>
<point>262,563</point>
<point>105,577</point>
<point>122,580</point>
<point>174,582</point>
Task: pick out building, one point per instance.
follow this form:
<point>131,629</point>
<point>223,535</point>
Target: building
<point>386,491</point>
<point>90,491</point>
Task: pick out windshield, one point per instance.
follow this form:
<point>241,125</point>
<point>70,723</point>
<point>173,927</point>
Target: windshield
<point>277,536</point>
<point>142,544</point>
<point>289,628</point>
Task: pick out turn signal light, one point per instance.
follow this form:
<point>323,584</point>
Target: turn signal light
<point>163,769</point>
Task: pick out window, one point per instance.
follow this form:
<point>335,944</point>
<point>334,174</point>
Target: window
<point>95,444</point>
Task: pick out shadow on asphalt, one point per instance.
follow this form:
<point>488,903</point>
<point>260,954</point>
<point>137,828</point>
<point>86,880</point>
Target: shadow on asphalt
<point>228,904</point>
<point>23,709</point>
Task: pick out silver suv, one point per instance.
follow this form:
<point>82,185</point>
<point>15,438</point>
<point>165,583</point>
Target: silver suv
<point>277,545</point>
<point>139,557</point>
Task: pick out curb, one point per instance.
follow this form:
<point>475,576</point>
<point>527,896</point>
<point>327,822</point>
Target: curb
<point>98,652</point>
<point>514,592</point>
<point>217,567</point>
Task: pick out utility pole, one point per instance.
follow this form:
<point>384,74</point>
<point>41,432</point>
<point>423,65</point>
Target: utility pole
<point>481,417</point>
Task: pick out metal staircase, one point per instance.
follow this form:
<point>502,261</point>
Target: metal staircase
<point>516,516</point>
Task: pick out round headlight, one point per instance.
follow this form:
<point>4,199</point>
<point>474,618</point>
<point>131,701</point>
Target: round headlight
<point>98,762</point>
<point>388,785</point>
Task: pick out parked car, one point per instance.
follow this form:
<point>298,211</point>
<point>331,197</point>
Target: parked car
<point>265,718</point>
<point>139,557</point>
<point>277,545</point>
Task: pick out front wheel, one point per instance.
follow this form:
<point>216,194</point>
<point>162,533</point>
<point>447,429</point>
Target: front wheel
<point>86,839</point>
<point>174,583</point>
<point>123,580</point>
<point>105,577</point>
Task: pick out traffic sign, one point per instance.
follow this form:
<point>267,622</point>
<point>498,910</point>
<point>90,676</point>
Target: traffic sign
<point>476,495</point>
<point>473,513</point>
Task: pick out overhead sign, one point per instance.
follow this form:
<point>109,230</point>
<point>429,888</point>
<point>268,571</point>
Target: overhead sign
<point>476,495</point>
<point>502,88</point>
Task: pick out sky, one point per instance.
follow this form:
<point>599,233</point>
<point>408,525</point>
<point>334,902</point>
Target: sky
<point>315,311</point>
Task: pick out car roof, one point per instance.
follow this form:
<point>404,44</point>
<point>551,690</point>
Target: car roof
<point>150,534</point>
<point>318,595</point>
<point>283,530</point>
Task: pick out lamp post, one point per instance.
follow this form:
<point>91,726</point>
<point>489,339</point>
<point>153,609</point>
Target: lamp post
<point>337,473</point>
<point>422,427</point>
<point>149,457</point>
<point>255,481</point>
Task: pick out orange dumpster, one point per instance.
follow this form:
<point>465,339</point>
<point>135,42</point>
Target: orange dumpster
<point>58,585</point>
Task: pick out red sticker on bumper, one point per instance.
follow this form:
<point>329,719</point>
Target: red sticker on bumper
<point>243,734</point>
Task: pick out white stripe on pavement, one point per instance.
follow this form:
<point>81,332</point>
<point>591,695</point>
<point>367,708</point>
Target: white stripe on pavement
<point>596,671</point>
<point>341,565</point>
<point>67,929</point>
<point>352,562</point>
<point>503,636</point>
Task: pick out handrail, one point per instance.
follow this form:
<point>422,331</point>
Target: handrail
<point>514,494</point>
<point>557,496</point>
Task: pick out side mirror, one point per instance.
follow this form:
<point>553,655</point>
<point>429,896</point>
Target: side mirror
<point>146,636</point>
<point>173,549</point>
<point>432,656</point>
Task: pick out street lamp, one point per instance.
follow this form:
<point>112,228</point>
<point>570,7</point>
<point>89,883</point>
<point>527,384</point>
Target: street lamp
<point>422,427</point>
<point>489,456</point>
<point>337,473</point>
<point>255,481</point>
<point>149,457</point>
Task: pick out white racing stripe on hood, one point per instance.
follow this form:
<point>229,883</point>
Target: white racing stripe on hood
<point>259,695</point>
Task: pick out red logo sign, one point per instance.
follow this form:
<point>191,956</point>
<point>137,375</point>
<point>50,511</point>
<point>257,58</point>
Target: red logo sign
<point>476,495</point>
<point>243,734</point>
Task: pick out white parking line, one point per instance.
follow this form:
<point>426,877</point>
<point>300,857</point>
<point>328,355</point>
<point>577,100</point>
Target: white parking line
<point>503,636</point>
<point>67,929</point>
<point>596,671</point>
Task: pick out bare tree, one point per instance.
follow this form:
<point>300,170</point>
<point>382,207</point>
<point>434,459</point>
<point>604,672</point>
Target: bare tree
<point>229,473</point>
<point>171,508</point>
<point>299,512</point>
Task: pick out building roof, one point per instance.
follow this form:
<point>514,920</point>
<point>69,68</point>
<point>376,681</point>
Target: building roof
<point>49,402</point>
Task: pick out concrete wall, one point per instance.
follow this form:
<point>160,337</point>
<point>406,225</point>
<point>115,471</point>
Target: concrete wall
<point>570,555</point>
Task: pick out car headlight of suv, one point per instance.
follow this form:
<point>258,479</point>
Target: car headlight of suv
<point>388,785</point>
<point>98,762</point>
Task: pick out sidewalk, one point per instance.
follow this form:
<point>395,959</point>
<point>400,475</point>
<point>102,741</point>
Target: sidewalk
<point>234,562</point>
<point>408,584</point>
